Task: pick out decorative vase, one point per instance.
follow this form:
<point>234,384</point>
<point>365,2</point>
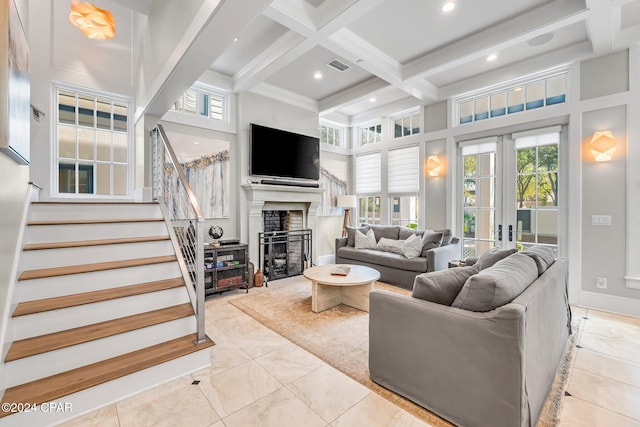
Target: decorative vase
<point>258,279</point>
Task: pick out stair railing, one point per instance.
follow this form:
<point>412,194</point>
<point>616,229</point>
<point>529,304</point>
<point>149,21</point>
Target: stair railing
<point>184,219</point>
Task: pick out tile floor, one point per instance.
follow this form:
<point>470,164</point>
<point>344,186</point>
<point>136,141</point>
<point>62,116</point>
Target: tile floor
<point>258,378</point>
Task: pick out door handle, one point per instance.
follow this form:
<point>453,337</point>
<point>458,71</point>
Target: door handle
<point>499,232</point>
<point>510,233</point>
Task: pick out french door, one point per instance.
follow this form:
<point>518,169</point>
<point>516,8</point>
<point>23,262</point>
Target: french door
<point>508,192</point>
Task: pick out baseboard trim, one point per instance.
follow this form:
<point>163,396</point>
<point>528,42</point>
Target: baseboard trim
<point>610,303</point>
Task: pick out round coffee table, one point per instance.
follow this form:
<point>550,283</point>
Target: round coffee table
<point>328,290</point>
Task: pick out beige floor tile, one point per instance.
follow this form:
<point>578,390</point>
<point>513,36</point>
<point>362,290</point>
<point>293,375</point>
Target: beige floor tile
<point>615,396</point>
<point>608,366</point>
<point>186,406</point>
<point>155,393</point>
<point>611,346</point>
<point>259,341</point>
<point>578,413</point>
<point>376,411</point>
<point>278,409</point>
<point>223,356</point>
<point>218,424</point>
<point>618,330</point>
<point>215,333</point>
<point>578,311</point>
<point>238,387</point>
<point>289,363</point>
<point>328,392</point>
<point>103,417</point>
<point>603,315</point>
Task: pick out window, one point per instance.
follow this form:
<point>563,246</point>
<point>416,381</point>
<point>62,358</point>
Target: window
<point>369,210</point>
<point>92,143</point>
<point>330,135</point>
<point>368,187</point>
<point>529,95</point>
<point>371,134</point>
<point>403,184</point>
<point>202,101</point>
<point>407,124</point>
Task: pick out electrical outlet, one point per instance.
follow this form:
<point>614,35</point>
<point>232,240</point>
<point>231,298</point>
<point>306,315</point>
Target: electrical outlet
<point>601,282</point>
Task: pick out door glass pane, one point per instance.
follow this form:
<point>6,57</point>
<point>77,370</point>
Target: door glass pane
<point>548,226</point>
<point>85,143</point>
<point>478,221</point>
<point>470,192</point>
<point>485,225</point>
<point>469,225</point>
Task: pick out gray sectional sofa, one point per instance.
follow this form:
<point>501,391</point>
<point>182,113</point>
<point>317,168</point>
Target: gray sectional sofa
<point>439,247</point>
<point>487,353</point>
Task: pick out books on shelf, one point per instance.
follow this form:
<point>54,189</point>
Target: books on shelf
<point>341,270</point>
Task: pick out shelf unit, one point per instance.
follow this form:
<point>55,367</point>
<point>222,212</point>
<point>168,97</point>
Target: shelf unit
<point>225,268</point>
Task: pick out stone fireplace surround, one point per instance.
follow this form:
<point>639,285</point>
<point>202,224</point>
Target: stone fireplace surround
<point>261,197</point>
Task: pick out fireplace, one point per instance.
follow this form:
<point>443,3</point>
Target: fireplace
<point>285,245</point>
<point>294,211</point>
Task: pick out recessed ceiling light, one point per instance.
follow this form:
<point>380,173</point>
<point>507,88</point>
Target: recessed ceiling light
<point>492,57</point>
<point>196,142</point>
<point>372,99</point>
<point>236,39</point>
<point>317,75</point>
<point>448,6</point>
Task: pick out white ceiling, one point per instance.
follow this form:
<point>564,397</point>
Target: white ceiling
<point>409,52</point>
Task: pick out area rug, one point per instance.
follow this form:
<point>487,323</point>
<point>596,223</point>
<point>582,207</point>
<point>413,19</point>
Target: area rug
<point>339,336</point>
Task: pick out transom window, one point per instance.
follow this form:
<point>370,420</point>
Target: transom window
<point>92,143</point>
<point>371,134</point>
<point>369,210</point>
<point>201,101</point>
<point>407,124</point>
<point>529,95</point>
<point>331,135</point>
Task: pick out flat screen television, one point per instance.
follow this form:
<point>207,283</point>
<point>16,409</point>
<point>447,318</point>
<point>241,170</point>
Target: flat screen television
<point>282,154</point>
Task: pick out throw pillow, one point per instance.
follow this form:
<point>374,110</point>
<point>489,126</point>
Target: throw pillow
<point>498,285</point>
<point>442,286</point>
<point>494,255</point>
<point>365,241</point>
<point>542,255</point>
<point>430,240</point>
<point>412,247</point>
<point>404,233</point>
<point>351,234</point>
<point>447,236</point>
<point>388,231</point>
<point>390,245</point>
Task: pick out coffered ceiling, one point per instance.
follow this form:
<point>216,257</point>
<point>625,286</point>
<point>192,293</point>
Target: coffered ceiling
<point>404,52</point>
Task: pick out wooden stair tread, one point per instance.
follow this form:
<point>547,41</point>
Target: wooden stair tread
<point>63,384</point>
<point>55,303</point>
<point>57,340</point>
<point>93,221</point>
<point>99,266</point>
<point>83,243</point>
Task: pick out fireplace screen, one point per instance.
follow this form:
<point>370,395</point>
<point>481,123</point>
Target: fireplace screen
<point>284,253</point>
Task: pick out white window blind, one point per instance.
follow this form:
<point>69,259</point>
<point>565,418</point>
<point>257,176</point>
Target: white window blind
<point>368,173</point>
<point>404,170</point>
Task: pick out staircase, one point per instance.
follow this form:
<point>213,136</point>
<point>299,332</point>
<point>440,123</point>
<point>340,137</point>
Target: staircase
<point>101,311</point>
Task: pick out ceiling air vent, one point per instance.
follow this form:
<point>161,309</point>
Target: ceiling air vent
<point>338,65</point>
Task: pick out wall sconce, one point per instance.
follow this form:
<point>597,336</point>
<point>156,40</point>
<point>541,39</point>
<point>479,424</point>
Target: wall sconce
<point>94,22</point>
<point>348,202</point>
<point>603,146</point>
<point>434,166</point>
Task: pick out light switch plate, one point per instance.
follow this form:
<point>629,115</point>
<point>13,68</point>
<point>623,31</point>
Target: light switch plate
<point>604,220</point>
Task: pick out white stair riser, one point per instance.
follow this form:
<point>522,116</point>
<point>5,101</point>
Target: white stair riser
<point>68,318</point>
<point>43,365</point>
<point>75,232</point>
<point>50,287</point>
<point>110,392</point>
<point>65,211</point>
<point>47,258</point>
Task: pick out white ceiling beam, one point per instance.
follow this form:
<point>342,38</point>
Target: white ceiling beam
<point>385,110</point>
<point>628,36</point>
<point>296,15</point>
<point>352,94</point>
<point>545,19</point>
<point>601,25</point>
<point>274,92</point>
<point>335,14</point>
<point>557,58</point>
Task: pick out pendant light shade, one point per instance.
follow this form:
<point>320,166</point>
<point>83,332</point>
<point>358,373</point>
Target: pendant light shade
<point>94,22</point>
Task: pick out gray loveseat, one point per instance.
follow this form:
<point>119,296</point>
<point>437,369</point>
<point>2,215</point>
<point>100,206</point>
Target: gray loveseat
<point>474,368</point>
<point>394,268</point>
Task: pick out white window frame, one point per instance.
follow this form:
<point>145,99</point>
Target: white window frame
<point>200,92</point>
<point>413,116</point>
<point>334,130</point>
<point>371,130</point>
<point>56,87</point>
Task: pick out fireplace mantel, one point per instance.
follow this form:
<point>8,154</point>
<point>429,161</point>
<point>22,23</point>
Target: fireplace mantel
<point>259,194</point>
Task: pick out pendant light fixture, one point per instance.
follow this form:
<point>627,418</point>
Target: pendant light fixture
<point>94,22</point>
